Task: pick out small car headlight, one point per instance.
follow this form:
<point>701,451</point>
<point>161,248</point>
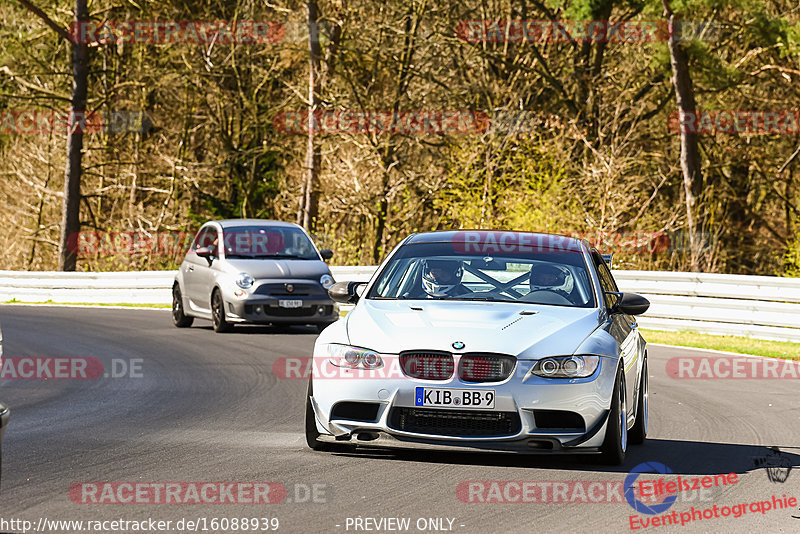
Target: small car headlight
<point>326,280</point>
<point>566,366</point>
<point>245,281</point>
<point>353,357</point>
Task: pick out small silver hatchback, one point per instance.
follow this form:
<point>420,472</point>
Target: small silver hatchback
<point>253,271</point>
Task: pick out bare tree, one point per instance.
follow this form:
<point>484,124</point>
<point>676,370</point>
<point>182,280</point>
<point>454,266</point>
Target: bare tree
<point>690,154</point>
<point>70,217</point>
<point>309,199</point>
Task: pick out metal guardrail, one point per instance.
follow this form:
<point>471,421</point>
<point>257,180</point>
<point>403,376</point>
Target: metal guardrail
<point>757,306</point>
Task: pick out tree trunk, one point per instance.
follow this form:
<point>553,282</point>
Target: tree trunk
<point>70,216</point>
<point>309,202</point>
<point>690,154</point>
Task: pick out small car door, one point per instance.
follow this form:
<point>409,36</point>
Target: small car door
<point>196,270</point>
<point>624,329</point>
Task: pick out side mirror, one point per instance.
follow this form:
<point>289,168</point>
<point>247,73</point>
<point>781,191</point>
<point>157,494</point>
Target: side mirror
<point>630,303</point>
<point>345,292</point>
<point>206,252</point>
<point>326,254</point>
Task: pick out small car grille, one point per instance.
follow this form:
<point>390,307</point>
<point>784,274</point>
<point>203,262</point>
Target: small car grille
<point>485,367</point>
<point>277,311</point>
<point>427,365</point>
<point>455,422</point>
<point>298,290</point>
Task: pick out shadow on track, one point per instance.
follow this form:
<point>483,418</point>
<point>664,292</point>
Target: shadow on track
<point>683,457</point>
<point>251,329</point>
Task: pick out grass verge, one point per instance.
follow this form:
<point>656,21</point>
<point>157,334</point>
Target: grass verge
<point>743,345</point>
<point>117,304</point>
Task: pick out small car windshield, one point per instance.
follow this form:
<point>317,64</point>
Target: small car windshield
<point>267,242</point>
<point>441,271</point>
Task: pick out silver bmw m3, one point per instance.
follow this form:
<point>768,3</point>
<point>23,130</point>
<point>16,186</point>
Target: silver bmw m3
<point>483,340</point>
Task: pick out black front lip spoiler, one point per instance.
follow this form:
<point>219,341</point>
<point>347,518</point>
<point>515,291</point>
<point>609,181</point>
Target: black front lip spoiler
<point>526,445</point>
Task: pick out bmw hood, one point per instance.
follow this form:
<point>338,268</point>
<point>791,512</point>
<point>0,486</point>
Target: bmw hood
<point>267,268</point>
<point>527,331</point>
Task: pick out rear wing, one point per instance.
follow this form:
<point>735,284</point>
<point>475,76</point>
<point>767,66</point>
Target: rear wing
<point>608,258</point>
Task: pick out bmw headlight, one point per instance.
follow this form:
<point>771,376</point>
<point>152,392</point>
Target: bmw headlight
<point>566,366</point>
<point>245,281</point>
<point>326,280</point>
<point>353,357</point>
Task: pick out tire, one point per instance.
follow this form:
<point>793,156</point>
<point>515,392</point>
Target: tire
<point>638,431</point>
<point>311,422</point>
<point>616,441</point>
<point>221,324</point>
<point>179,319</point>
<point>312,434</point>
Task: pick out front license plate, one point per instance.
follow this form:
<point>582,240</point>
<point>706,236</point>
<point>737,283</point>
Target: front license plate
<point>290,303</point>
<point>455,398</point>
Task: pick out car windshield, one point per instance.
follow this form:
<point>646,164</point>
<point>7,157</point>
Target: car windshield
<point>268,242</point>
<point>446,271</point>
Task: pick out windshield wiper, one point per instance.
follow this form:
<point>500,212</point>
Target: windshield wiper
<point>269,256</point>
<point>483,299</point>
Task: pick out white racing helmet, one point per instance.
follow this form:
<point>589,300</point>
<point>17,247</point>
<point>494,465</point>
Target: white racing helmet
<point>551,277</point>
<point>440,276</point>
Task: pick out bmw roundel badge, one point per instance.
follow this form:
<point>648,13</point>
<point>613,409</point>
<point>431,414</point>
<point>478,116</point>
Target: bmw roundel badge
<point>458,345</point>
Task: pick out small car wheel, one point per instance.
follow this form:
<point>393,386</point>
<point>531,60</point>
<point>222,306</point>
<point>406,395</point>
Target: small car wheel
<point>218,313</point>
<point>179,319</point>
<point>616,440</point>
<point>639,429</point>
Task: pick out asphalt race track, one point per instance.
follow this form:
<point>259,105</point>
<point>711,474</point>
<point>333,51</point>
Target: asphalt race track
<point>206,407</point>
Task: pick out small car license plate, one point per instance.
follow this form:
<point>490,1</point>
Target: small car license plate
<point>290,303</point>
<point>482,399</point>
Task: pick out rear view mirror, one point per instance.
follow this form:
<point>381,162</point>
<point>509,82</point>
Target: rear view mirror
<point>488,264</point>
<point>630,303</point>
<point>326,254</point>
<point>345,292</point>
<point>209,253</point>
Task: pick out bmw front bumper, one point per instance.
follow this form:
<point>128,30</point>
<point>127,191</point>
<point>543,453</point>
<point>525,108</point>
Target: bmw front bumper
<point>531,414</point>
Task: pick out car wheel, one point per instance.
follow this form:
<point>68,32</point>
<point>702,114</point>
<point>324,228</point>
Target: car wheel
<point>179,319</point>
<point>218,313</point>
<point>311,422</point>
<point>311,429</point>
<point>616,441</point>
<point>639,429</point>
